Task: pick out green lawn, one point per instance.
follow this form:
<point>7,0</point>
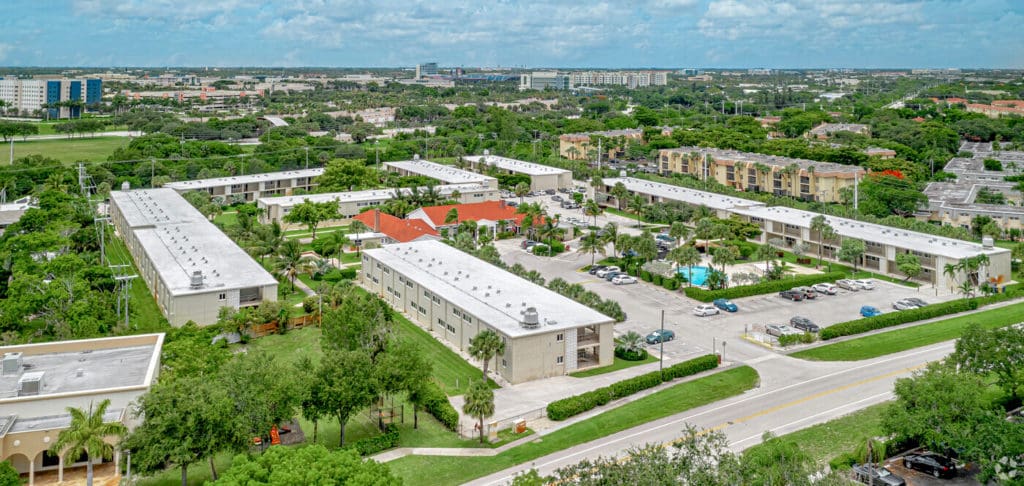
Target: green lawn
<point>619,364</point>
<point>684,396</point>
<point>912,337</point>
<point>145,314</point>
<point>71,150</point>
<point>227,219</point>
<point>827,266</point>
<point>451,372</point>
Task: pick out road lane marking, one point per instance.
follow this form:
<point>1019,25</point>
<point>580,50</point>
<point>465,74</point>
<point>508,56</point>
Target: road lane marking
<point>758,436</point>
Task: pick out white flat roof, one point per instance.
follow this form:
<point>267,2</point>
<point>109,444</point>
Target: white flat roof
<point>443,173</point>
<point>492,295</point>
<point>514,165</point>
<point>876,233</point>
<point>368,195</point>
<point>243,179</point>
<point>179,240</point>
<point>682,194</point>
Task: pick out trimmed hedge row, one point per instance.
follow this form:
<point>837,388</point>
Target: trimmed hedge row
<point>435,402</point>
<point>768,287</point>
<point>890,319</point>
<point>577,404</point>
<point>373,445</point>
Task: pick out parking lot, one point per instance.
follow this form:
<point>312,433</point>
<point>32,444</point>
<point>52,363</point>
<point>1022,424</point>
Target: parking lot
<point>643,303</point>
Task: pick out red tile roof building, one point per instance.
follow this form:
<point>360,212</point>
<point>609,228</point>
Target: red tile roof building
<point>481,212</point>
<point>397,229</point>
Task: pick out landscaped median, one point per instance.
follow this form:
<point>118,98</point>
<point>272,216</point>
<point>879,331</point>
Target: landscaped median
<point>885,343</point>
<point>444,470</point>
<point>768,287</point>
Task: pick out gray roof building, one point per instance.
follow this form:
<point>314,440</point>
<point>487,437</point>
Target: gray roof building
<point>445,174</point>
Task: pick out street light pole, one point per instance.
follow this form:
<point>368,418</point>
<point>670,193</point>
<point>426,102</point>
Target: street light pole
<point>307,157</point>
<point>661,343</point>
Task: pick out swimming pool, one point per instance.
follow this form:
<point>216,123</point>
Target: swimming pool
<point>700,274</point>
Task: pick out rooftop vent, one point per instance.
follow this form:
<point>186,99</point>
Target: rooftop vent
<point>197,280</point>
<point>30,383</point>
<point>12,364</point>
<point>987,242</point>
<point>531,320</point>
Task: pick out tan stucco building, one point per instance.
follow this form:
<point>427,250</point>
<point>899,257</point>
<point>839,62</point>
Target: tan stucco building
<point>455,296</point>
<point>542,177</point>
<point>253,186</point>
<point>39,381</point>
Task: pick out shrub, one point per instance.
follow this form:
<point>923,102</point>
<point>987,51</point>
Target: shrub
<point>577,404</point>
<point>435,402</point>
<point>541,250</point>
<point>310,304</point>
<point>645,275</point>
<point>556,246</point>
<point>373,445</point>
<point>670,283</point>
<point>637,355</point>
<point>768,287</point>
<point>790,339</point>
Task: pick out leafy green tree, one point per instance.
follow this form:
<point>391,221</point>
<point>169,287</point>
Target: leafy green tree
<point>360,321</point>
<point>485,346</point>
<point>261,391</point>
<point>312,214</point>
<point>8,475</point>
<point>591,243</point>
<point>87,435</point>
<point>851,251</point>
<point>775,461</point>
<point>346,175</point>
<point>620,193</point>
<point>636,204</point>
<point>997,351</point>
<point>479,403</point>
<point>313,464</point>
<point>909,265</point>
<point>346,384</point>
<point>824,231</point>
<point>611,236</point>
<point>725,255</point>
<point>631,343</point>
<point>679,231</point>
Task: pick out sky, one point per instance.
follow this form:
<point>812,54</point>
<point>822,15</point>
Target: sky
<point>514,33</point>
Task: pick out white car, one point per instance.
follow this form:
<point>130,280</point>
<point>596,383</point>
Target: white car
<point>705,310</point>
<point>865,284</point>
<point>825,288</point>
<point>604,271</point>
<point>623,279</point>
<point>781,330</point>
<point>904,304</point>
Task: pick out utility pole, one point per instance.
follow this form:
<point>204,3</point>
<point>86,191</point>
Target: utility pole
<point>307,156</point>
<point>599,155</point>
<point>12,149</point>
<point>856,180</point>
<point>661,344</point>
<point>152,172</point>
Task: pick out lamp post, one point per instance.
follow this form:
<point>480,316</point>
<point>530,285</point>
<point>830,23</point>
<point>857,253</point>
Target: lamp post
<point>661,344</point>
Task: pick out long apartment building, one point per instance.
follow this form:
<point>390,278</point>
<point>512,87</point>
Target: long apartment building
<point>28,96</point>
<point>445,174</point>
<point>191,267</point>
<point>576,146</point>
<point>827,130</point>
<point>629,79</point>
<point>882,243</point>
<point>352,203</point>
<point>39,382</point>
<point>956,202</point>
<point>253,186</point>
<point>542,177</point>
<point>744,171</point>
<point>456,296</point>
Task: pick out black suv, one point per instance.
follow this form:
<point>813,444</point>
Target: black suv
<point>593,270</point>
<point>804,324</point>
<point>934,464</point>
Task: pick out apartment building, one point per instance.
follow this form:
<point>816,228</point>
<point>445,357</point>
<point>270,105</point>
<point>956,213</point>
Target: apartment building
<point>28,96</point>
<point>882,243</point>
<point>456,296</point>
<point>745,171</point>
<point>445,174</point>
<point>576,146</point>
<point>350,204</point>
<point>494,216</point>
<point>251,187</point>
<point>542,177</point>
<point>540,80</point>
<point>956,202</point>
<point>997,110</point>
<point>629,79</point>
<point>40,381</point>
<point>827,130</point>
<point>190,266</point>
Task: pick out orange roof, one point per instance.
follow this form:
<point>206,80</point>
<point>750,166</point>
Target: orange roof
<point>956,100</point>
<point>1012,103</point>
<point>489,210</point>
<point>400,230</point>
<point>918,119</point>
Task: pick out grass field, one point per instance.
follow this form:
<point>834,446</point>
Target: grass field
<point>684,396</point>
<point>145,315</point>
<point>619,364</point>
<point>71,150</point>
<point>912,337</point>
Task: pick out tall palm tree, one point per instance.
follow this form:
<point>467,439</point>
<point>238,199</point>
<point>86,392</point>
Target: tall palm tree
<point>336,241</point>
<point>479,403</point>
<point>620,193</point>
<point>87,435</point>
<point>611,235</point>
<point>592,208</point>
<point>825,232</point>
<point>636,204</point>
<point>725,255</point>
<point>705,230</point>
<point>521,190</point>
<point>679,231</point>
<point>486,345</point>
<point>685,256</point>
<point>591,243</point>
<point>768,253</point>
<point>452,216</point>
<point>290,262</point>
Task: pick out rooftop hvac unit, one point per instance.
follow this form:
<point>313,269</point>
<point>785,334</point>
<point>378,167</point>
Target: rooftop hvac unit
<point>987,242</point>
<point>126,186</point>
<point>30,383</point>
<point>197,280</point>
<point>12,364</point>
<point>531,320</point>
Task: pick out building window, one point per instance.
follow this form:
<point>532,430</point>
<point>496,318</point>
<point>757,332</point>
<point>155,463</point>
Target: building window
<point>560,337</point>
<point>408,283</point>
<point>504,364</point>
<point>437,300</point>
<point>456,312</point>
<point>560,360</point>
<point>387,271</point>
<point>222,296</point>
<point>426,295</point>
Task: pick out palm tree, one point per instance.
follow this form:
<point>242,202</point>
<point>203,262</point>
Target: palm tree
<point>966,288</point>
<point>290,262</point>
<point>336,241</point>
<point>591,208</point>
<point>452,216</point>
<point>479,403</point>
<point>486,345</point>
<point>725,255</point>
<point>637,205</point>
<point>679,231</point>
<point>591,243</point>
<point>685,256</point>
<point>768,253</point>
<point>705,230</point>
<point>825,232</point>
<point>619,192</point>
<point>631,343</point>
<point>611,235</point>
<point>87,435</point>
<point>521,190</point>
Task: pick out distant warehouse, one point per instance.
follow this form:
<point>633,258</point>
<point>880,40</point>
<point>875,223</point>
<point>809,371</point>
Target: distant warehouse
<point>457,296</point>
<point>191,267</point>
<point>542,177</point>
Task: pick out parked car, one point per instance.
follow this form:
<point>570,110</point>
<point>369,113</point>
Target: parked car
<point>870,311</point>
<point>781,330</point>
<point>664,237</point>
<point>511,204</point>
<point>660,336</point>
<point>550,192</point>
<point>916,301</point>
<point>615,273</point>
<point>804,324</point>
<point>526,244</point>
<point>825,288</point>
<point>563,190</point>
<point>623,279</point>
<point>604,271</point>
<point>705,310</point>
<point>847,285</point>
<point>808,292</point>
<point>865,284</point>
<point>903,304</point>
<point>934,464</point>
<point>726,305</point>
<point>873,475</point>
<point>792,295</point>
<point>556,198</point>
<point>593,270</point>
